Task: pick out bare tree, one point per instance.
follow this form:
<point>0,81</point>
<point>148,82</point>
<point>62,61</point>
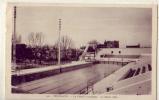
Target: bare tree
<point>93,43</point>
<point>36,39</point>
<point>66,45</point>
<point>39,37</point>
<point>16,38</point>
<point>66,42</point>
<point>31,39</point>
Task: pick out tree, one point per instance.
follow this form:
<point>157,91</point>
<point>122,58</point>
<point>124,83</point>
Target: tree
<point>66,44</point>
<point>36,39</point>
<point>36,42</point>
<point>31,39</point>
<point>39,39</point>
<point>16,38</point>
<point>93,43</point>
<point>82,48</point>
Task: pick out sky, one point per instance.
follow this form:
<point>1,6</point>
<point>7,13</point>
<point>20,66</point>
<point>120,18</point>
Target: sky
<point>127,25</point>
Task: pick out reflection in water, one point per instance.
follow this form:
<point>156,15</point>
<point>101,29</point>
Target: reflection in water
<point>95,73</point>
<point>86,77</point>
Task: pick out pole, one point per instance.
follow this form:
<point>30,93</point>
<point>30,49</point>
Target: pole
<point>122,61</point>
<point>14,23</point>
<point>14,42</point>
<point>14,39</point>
<point>59,46</point>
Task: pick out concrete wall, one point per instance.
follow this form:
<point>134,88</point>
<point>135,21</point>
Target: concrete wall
<point>42,74</point>
<point>138,89</point>
<point>113,79</point>
<point>124,51</point>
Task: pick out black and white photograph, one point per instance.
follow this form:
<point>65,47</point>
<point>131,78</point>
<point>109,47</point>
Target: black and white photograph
<point>86,50</point>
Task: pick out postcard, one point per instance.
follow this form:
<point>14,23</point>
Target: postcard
<point>81,51</point>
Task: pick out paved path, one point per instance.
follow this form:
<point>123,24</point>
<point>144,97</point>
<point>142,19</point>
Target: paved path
<point>47,68</point>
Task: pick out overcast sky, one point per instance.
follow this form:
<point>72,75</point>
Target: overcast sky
<point>82,24</point>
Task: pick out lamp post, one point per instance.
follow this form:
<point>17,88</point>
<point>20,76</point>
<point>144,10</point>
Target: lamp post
<point>59,46</point>
<point>14,38</point>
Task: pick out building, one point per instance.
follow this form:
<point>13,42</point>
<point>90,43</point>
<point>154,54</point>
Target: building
<point>109,44</point>
<point>133,46</point>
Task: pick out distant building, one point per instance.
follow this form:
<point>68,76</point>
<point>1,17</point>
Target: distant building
<point>133,46</point>
<point>109,44</point>
<point>20,53</point>
<point>92,49</point>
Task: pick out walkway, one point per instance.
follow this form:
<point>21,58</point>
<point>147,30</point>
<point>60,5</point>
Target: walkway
<point>48,68</point>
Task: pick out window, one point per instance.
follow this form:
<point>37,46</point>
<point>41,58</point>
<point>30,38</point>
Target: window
<point>101,56</point>
<point>149,67</point>
<point>137,72</point>
<point>143,69</point>
<point>109,89</point>
<point>119,52</point>
<point>130,73</point>
<point>105,55</point>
